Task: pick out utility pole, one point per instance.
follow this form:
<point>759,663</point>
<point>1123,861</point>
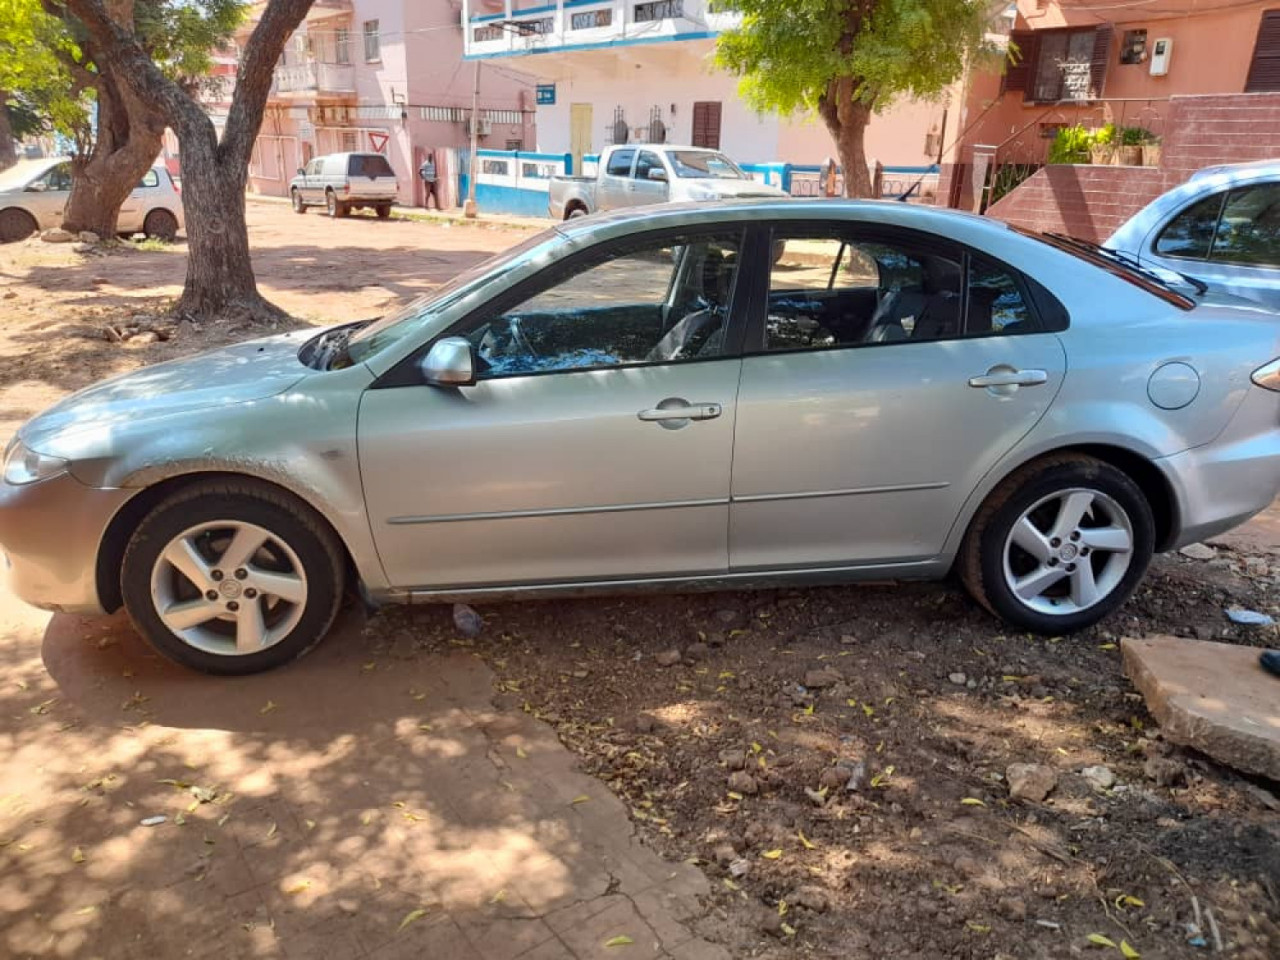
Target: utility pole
<point>469,208</point>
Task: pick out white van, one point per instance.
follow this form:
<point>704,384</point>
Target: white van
<point>342,182</point>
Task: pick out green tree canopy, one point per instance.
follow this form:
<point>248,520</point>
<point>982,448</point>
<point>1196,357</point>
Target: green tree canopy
<point>846,59</point>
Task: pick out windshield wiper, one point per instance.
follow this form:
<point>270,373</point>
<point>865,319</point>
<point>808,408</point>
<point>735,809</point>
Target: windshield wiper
<point>1133,263</point>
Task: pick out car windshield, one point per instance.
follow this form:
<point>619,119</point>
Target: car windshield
<point>1164,284</point>
<point>704,165</point>
<point>23,173</point>
<point>369,165</point>
<point>415,319</point>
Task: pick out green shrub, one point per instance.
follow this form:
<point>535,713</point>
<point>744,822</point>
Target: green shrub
<point>1070,145</point>
<point>1136,136</point>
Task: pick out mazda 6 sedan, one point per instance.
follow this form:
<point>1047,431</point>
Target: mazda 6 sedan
<point>713,395</point>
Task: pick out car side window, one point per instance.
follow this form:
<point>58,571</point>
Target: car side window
<point>620,163</point>
<point>150,179</point>
<point>654,301</point>
<point>997,303</point>
<point>1189,235</point>
<point>648,160</point>
<point>58,178</point>
<point>827,292</point>
<point>1248,230</point>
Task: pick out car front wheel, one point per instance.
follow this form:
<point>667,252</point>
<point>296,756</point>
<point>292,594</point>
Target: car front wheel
<point>1060,545</point>
<point>232,577</point>
<point>161,225</point>
<point>298,205</point>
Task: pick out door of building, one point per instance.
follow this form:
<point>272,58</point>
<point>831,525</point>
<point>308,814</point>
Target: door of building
<point>579,133</point>
<point>706,124</point>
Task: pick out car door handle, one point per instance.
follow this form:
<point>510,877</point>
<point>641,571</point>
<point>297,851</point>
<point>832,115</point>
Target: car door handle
<point>681,411</point>
<point>1009,377</point>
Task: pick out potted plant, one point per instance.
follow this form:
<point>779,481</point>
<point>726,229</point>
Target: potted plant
<point>1151,152</point>
<point>1070,145</point>
<point>1131,141</point>
<point>1102,146</point>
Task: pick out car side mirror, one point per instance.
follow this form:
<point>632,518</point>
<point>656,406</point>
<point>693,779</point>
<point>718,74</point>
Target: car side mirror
<point>657,173</point>
<point>449,363</point>
<point>302,172</point>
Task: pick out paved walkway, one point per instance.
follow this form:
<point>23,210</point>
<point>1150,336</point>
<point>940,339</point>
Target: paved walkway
<point>369,801</point>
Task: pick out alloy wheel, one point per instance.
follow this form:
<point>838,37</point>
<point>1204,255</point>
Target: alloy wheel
<point>1068,551</point>
<point>229,587</point>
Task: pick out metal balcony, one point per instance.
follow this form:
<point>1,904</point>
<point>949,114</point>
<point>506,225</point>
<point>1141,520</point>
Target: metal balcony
<point>315,77</point>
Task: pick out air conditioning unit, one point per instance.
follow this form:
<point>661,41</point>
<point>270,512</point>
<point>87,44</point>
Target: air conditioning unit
<point>483,128</point>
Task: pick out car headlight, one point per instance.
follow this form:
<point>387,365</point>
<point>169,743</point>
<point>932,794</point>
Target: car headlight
<point>24,465</point>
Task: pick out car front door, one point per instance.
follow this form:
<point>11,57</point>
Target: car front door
<point>644,189</point>
<point>614,182</point>
<point>1230,240</point>
<point>872,402</point>
<point>595,444</point>
<point>135,205</point>
<point>46,197</point>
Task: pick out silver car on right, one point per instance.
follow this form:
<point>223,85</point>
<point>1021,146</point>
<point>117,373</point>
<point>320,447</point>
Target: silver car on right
<point>1222,226</point>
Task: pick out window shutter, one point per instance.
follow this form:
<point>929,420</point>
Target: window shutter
<point>1101,60</point>
<point>706,124</point>
<point>1264,71</point>
<point>1017,76</point>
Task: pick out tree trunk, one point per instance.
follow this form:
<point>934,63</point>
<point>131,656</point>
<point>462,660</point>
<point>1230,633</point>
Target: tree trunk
<point>846,118</point>
<point>8,155</point>
<point>130,134</point>
<point>220,280</point>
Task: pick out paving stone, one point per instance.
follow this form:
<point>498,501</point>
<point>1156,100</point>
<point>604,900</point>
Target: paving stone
<point>1212,697</point>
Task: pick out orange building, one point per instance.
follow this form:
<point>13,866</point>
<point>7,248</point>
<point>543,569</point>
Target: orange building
<point>1198,80</point>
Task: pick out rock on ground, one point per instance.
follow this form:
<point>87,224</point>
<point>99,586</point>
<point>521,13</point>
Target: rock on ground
<point>1030,781</point>
<point>57,235</point>
<point>1099,777</point>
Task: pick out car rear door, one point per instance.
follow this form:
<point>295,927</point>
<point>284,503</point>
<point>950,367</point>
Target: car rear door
<point>136,205</point>
<point>859,437</point>
<point>589,449</point>
<point>614,179</point>
<point>46,197</point>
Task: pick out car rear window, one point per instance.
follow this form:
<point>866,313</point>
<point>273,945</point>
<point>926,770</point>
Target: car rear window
<point>369,165</point>
<point>1112,263</point>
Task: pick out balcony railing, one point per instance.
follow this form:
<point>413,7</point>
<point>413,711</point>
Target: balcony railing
<point>583,23</point>
<point>315,77</point>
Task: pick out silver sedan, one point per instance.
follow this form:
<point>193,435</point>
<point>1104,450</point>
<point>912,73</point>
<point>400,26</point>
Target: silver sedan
<point>711,395</point>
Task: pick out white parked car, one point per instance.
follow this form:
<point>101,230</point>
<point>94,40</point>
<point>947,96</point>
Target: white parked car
<point>33,194</point>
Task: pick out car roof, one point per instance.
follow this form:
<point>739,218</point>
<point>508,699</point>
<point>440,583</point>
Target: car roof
<point>621,222</point>
<point>1250,168</point>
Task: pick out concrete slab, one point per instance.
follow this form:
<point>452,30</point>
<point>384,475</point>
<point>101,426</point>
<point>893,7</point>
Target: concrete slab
<point>1212,697</point>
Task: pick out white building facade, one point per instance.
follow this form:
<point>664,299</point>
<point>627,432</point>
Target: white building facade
<point>612,71</point>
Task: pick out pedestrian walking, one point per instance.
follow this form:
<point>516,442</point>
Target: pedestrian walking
<point>430,182</point>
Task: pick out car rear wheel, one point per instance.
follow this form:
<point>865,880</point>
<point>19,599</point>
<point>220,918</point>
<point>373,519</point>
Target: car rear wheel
<point>1060,545</point>
<point>16,224</point>
<point>232,577</point>
<point>383,210</point>
<point>333,206</point>
<point>160,225</point>
<point>298,205</point>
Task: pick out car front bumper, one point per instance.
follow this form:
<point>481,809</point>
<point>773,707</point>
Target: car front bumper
<point>1223,483</point>
<point>50,533</point>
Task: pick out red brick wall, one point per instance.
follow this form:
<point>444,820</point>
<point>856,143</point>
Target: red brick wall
<point>1090,202</point>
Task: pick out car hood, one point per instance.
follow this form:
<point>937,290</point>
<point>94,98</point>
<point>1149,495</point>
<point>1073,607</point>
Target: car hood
<point>253,370</point>
<point>739,188</point>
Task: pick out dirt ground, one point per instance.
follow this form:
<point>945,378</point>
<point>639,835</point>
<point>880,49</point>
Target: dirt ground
<point>834,760</point>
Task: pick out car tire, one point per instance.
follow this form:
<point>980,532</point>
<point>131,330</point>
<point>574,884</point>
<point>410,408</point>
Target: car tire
<point>383,210</point>
<point>277,600</point>
<point>576,213</point>
<point>296,197</point>
<point>333,206</point>
<point>161,225</point>
<point>16,224</point>
<point>1059,545</point>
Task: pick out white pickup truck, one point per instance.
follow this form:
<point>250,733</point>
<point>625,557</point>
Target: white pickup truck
<point>632,175</point>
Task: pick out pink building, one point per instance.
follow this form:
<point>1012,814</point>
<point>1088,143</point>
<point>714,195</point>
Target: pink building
<point>385,76</point>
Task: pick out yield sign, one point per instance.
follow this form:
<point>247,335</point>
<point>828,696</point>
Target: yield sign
<point>379,141</point>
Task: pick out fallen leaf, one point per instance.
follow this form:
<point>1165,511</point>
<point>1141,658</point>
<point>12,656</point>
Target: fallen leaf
<point>730,884</point>
<point>805,841</point>
<point>1128,951</point>
<point>734,795</point>
<point>298,887</point>
<point>581,798</point>
<point>268,707</point>
<point>86,910</point>
<point>772,854</point>
<point>498,897</point>
<point>411,917</point>
<point>972,802</point>
<point>311,824</point>
<point>1098,940</point>
<point>77,855</point>
<point>1124,900</point>
<point>272,832</point>
<point>622,940</point>
<point>977,927</point>
<point>366,818</point>
<point>521,754</point>
<point>788,929</point>
<point>782,908</point>
<point>1106,646</point>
